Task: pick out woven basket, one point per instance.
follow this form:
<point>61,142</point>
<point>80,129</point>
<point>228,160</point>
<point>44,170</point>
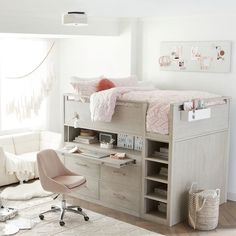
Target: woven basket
<point>203,210</point>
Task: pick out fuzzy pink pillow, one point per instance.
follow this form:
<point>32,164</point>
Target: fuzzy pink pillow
<point>104,84</point>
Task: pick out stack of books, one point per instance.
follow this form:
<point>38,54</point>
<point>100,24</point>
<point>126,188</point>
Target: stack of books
<point>86,139</point>
<point>163,153</point>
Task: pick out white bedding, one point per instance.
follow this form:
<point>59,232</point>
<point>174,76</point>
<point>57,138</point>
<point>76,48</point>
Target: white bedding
<point>102,104</point>
<point>22,167</point>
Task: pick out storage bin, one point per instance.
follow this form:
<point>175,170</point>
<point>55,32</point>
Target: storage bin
<point>203,208</point>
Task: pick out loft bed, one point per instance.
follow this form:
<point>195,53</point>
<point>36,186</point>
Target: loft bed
<point>194,144</point>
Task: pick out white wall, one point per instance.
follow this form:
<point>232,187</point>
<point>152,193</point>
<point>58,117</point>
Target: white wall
<point>155,30</point>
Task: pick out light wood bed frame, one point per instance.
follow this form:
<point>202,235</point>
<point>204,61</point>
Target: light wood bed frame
<point>198,151</point>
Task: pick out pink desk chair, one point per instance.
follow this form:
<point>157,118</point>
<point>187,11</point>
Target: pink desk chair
<point>56,178</point>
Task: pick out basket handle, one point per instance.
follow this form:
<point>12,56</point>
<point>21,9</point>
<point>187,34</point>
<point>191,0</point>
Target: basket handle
<point>203,204</point>
<point>218,192</point>
<point>193,187</point>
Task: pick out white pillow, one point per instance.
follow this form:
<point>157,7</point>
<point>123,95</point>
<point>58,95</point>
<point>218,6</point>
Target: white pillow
<point>147,84</point>
<point>85,86</point>
<point>130,81</point>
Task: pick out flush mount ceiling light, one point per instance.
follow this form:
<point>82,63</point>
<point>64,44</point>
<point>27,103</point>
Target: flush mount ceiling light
<point>75,18</point>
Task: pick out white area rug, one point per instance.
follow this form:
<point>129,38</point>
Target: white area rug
<point>24,191</point>
<point>98,225</point>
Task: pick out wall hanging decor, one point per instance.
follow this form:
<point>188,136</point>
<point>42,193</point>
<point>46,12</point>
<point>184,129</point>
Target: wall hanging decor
<point>29,75</point>
<point>198,56</point>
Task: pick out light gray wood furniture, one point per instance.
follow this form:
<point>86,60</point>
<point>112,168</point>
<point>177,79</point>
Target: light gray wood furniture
<point>198,151</point>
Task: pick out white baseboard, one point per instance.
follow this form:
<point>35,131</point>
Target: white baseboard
<point>231,196</point>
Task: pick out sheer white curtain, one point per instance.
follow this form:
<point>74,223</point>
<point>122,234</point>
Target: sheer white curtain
<point>23,103</point>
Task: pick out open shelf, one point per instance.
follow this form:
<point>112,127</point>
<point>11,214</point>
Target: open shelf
<point>153,171</point>
<point>157,151</point>
<point>71,133</point>
<point>157,214</point>
<point>156,197</point>
<point>153,208</point>
<point>158,178</point>
<point>156,191</point>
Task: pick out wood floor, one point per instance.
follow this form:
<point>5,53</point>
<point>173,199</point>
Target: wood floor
<point>226,227</point>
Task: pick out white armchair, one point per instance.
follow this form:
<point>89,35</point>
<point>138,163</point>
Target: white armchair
<point>25,146</point>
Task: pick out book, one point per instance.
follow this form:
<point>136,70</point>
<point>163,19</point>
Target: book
<point>164,150</point>
<point>160,154</point>
<point>86,139</point>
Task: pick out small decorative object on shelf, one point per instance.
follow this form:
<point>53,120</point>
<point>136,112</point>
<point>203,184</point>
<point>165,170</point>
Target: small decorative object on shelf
<point>107,137</point>
<point>138,143</point>
<point>120,156</point>
<point>107,145</point>
<point>76,120</point>
<point>125,141</point>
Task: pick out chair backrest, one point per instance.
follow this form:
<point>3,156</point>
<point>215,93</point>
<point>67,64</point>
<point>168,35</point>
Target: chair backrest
<point>49,164</point>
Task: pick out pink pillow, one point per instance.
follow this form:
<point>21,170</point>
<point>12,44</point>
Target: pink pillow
<point>104,84</point>
<point>85,86</point>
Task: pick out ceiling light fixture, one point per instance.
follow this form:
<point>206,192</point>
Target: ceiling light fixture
<point>75,18</point>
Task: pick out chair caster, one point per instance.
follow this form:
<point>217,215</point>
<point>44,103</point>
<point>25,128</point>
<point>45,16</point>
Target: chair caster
<point>53,207</point>
<point>41,217</point>
<point>79,209</point>
<point>62,223</point>
<point>86,218</point>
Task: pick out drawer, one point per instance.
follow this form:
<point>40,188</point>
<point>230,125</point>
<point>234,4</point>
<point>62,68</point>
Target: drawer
<point>129,175</point>
<point>120,195</point>
<point>82,167</point>
<point>89,189</point>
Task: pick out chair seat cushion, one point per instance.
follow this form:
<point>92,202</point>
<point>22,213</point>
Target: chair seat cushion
<point>70,181</point>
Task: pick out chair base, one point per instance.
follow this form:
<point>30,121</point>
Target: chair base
<point>62,209</point>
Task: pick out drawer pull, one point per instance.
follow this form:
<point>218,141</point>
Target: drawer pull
<point>118,172</point>
<point>79,164</point>
<point>121,197</point>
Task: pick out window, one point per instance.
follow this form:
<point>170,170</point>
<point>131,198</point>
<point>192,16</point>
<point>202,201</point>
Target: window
<point>25,81</point>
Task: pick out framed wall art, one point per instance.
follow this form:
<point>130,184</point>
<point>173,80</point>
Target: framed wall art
<point>198,56</point>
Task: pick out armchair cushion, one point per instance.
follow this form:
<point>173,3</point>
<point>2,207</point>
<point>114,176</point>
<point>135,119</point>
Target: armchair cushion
<point>28,142</point>
<point>70,181</point>
<point>7,144</point>
<point>50,140</point>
